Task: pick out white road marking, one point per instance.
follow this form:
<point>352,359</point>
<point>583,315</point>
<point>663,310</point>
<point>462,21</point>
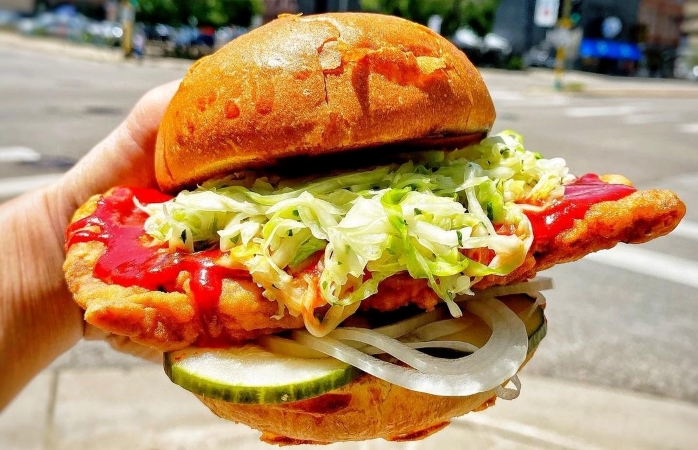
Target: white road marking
<point>687,230</point>
<point>642,119</point>
<point>557,100</point>
<point>599,111</point>
<point>647,262</point>
<point>528,100</point>
<point>505,95</point>
<point>690,128</point>
<point>10,187</point>
<point>18,154</point>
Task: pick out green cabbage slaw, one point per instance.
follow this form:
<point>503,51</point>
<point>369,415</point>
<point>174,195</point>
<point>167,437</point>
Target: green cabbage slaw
<point>424,216</point>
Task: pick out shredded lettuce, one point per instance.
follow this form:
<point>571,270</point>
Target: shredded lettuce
<point>426,216</point>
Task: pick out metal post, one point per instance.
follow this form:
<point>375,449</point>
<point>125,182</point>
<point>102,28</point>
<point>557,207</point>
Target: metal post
<point>127,18</point>
<point>564,24</point>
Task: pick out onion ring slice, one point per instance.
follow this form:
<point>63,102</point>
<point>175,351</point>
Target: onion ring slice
<point>485,369</point>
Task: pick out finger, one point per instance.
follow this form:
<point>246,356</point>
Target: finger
<point>92,333</point>
<point>124,344</point>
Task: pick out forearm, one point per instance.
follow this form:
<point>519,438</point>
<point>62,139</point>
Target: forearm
<point>38,319</point>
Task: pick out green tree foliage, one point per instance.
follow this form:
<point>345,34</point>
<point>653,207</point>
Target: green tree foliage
<point>207,12</point>
<point>477,14</point>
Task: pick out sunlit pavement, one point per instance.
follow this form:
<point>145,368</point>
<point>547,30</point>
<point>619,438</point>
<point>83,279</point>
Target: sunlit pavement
<point>619,364</point>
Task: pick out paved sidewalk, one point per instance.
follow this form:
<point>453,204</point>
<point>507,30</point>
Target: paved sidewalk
<point>540,82</point>
<point>590,84</point>
<point>138,408</point>
<point>59,47</point>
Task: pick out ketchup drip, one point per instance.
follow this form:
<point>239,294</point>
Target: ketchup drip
<point>579,197</point>
<point>131,259</point>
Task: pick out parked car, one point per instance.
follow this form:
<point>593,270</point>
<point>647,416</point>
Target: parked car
<point>469,42</point>
<point>192,42</point>
<point>227,34</point>
<point>496,50</point>
<point>160,32</point>
<point>61,25</point>
<point>685,70</point>
<point>686,63</point>
<point>105,33</point>
<point>9,19</point>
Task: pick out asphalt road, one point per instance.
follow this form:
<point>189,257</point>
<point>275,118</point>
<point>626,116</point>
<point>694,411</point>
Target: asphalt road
<point>626,318</point>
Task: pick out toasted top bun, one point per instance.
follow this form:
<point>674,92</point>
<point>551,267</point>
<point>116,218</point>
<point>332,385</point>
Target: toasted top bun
<point>315,85</point>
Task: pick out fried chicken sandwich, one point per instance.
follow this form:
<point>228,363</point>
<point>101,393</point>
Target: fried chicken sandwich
<point>340,250</point>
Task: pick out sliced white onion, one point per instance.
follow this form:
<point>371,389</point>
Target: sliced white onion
<point>405,326</point>
<point>435,330</point>
<point>412,357</point>
<point>506,393</point>
<point>540,299</point>
<point>497,361</point>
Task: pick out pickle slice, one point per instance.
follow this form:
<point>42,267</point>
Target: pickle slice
<point>250,374</point>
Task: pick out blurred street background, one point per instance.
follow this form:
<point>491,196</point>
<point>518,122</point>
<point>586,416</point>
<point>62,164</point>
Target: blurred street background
<point>619,367</point>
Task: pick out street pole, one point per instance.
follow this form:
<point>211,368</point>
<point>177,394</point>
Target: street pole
<point>564,24</point>
<point>127,18</point>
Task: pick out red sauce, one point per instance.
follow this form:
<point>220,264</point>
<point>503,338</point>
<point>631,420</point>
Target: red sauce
<point>131,259</point>
<point>579,197</point>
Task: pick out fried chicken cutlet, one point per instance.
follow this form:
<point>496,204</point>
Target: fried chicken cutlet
<point>172,320</point>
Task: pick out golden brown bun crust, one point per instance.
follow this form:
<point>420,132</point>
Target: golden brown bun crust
<point>367,408</point>
<point>317,84</point>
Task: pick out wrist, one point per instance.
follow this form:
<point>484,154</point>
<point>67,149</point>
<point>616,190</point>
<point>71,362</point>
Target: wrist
<point>38,319</point>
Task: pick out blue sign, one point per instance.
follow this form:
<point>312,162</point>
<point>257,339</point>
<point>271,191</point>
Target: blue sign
<point>604,48</point>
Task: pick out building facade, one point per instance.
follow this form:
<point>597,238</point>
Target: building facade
<point>689,27</point>
<point>21,6</point>
<point>660,34</point>
<point>624,37</point>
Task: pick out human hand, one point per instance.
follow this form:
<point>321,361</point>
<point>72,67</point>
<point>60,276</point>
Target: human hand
<point>38,318</point>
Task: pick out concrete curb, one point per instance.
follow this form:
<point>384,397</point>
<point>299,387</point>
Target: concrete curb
<point>59,47</point>
<point>621,92</point>
<point>584,84</point>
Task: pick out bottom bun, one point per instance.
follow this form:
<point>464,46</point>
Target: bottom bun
<point>366,408</point>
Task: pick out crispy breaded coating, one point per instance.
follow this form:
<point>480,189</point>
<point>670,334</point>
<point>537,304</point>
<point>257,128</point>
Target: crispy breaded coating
<point>168,320</point>
<point>173,320</point>
<point>637,218</point>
